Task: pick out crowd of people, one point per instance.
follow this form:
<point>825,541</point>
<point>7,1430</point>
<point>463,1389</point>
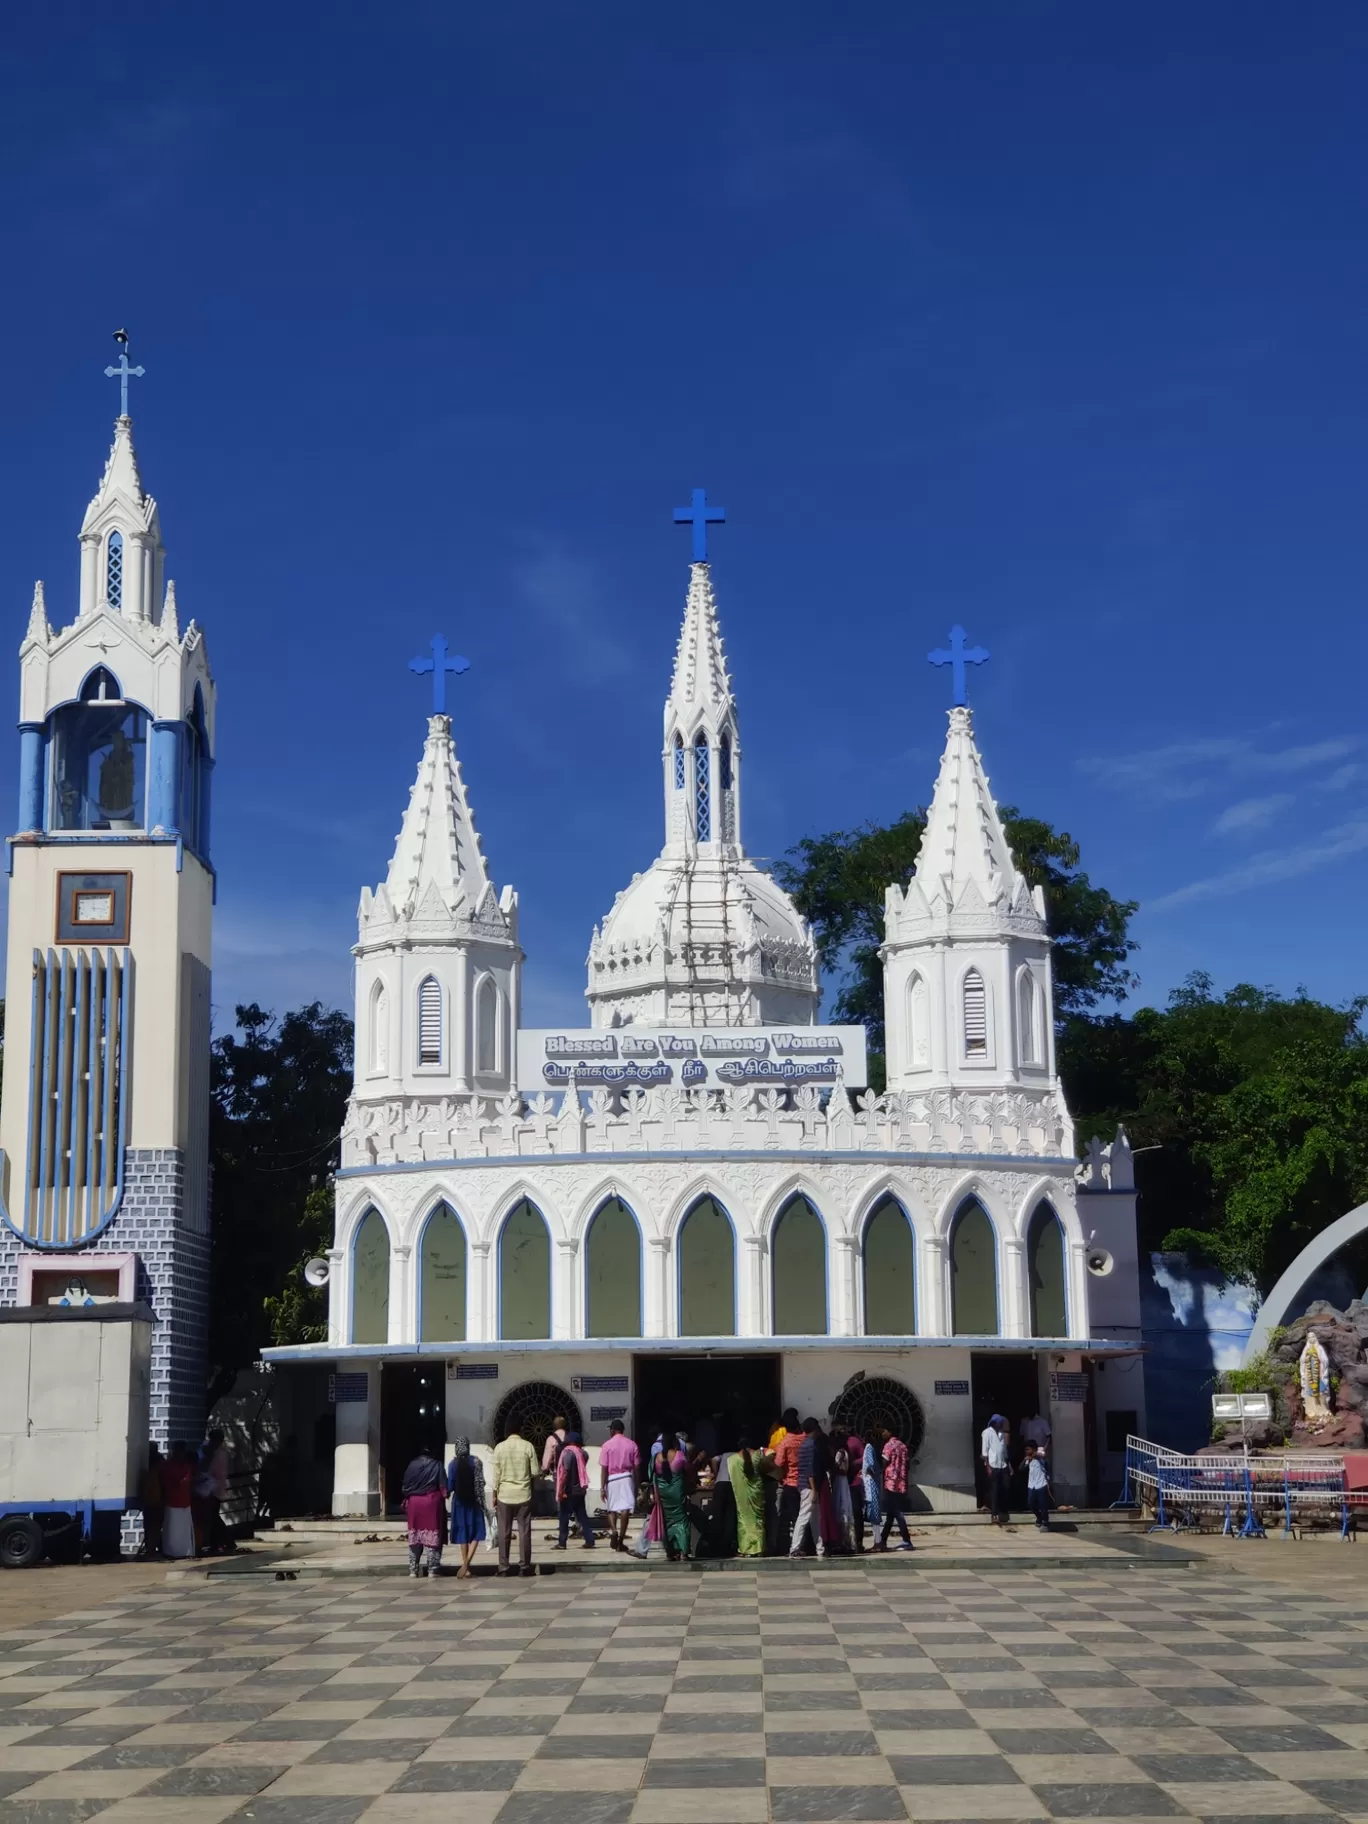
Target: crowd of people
<point>804,1489</point>
<point>182,1497</point>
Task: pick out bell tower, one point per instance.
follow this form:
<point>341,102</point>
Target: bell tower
<point>104,1124</point>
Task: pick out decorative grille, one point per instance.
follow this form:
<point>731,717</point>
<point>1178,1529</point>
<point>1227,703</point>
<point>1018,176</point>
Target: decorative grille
<point>531,1408</point>
<point>679,764</point>
<point>702,791</point>
<point>77,1109</point>
<point>114,570</point>
<point>429,1021</point>
<point>880,1403</point>
<point>975,1016</point>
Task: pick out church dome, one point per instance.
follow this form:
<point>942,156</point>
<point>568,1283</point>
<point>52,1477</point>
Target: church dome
<point>703,937</point>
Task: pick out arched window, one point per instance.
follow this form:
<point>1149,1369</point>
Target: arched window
<point>707,1272</point>
<point>702,791</point>
<point>890,1272</point>
<point>370,1280</point>
<point>799,1253</point>
<point>679,767</point>
<point>524,1274</point>
<point>487,1026</point>
<point>975,1016</point>
<point>1045,1273</point>
<point>973,1273</point>
<point>1027,1023</point>
<point>918,1023</point>
<point>193,818</point>
<point>378,1021</point>
<point>442,1278</point>
<point>429,1020</point>
<point>724,766</point>
<point>114,570</point>
<point>99,767</point>
<point>612,1272</point>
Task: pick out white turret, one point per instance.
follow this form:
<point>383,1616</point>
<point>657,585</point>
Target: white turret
<point>121,547</point>
<point>703,937</point>
<point>438,970</point>
<point>967,990</point>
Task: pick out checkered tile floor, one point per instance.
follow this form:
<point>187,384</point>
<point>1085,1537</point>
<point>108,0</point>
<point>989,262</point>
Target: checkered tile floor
<point>737,1698</point>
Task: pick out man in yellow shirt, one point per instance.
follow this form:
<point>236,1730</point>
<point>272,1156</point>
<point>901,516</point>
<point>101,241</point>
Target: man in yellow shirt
<point>788,1423</point>
<point>512,1470</point>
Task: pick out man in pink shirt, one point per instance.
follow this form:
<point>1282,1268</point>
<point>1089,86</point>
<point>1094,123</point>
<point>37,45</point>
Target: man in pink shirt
<point>894,1455</point>
<point>619,1468</point>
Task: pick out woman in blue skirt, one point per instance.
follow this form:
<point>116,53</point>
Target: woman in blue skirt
<point>465,1485</point>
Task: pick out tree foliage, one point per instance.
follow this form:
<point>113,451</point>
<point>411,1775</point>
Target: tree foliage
<point>838,882</point>
<point>1253,1106</point>
<point>279,1091</point>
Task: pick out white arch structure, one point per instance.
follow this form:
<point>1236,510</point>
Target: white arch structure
<point>1320,1249</point>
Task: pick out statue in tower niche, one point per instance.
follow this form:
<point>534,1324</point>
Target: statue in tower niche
<point>116,779</point>
<point>1314,1372</point>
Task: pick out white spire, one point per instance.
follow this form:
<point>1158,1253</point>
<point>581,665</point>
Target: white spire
<point>121,481</point>
<point>700,667</point>
<point>964,840</point>
<point>121,515</point>
<point>437,844</point>
<point>39,628</point>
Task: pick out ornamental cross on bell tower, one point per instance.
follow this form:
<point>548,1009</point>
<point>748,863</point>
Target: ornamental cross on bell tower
<point>700,516</point>
<point>957,658</point>
<point>439,665</point>
<point>122,371</point>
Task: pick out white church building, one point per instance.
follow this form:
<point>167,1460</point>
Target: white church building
<point>693,1207</point>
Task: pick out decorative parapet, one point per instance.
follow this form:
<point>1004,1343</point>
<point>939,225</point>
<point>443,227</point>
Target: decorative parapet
<point>666,1119</point>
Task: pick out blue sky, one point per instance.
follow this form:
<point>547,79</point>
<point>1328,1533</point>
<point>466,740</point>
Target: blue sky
<point>1045,319</point>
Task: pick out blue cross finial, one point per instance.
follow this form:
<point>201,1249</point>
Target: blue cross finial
<point>439,665</point>
<point>700,516</point>
<point>958,656</point>
<point>123,370</point>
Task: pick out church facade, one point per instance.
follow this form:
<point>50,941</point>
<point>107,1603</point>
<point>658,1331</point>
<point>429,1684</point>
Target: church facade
<point>694,1208</point>
<point>104,1176</point>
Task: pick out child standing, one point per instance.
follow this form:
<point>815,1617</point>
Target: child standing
<point>1038,1486</point>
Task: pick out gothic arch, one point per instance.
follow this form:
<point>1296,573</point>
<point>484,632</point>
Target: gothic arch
<point>705,1185</point>
<point>970,1186</point>
<point>972,1263</point>
<point>613,1270</point>
<point>799,1301</point>
<point>377,1029</point>
<point>974,1014</point>
<point>888,1268</point>
<point>489,1027</point>
<point>443,1277</point>
<point>1047,1272</point>
<point>1029,1019</point>
<point>705,1269</point>
<point>918,1022</point>
<point>430,1025</point>
<point>523,1253</point>
<point>370,1251</point>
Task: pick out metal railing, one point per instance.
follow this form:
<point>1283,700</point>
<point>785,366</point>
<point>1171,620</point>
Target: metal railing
<point>1300,1488</point>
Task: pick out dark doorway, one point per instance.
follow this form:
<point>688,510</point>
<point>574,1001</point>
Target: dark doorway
<point>1009,1384</point>
<point>735,1392</point>
<point>412,1412</point>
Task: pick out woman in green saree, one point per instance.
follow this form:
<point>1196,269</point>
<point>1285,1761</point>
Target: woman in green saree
<point>745,1471</point>
<point>668,1482</point>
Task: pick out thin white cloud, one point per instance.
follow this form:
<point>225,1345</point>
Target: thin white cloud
<point>1275,865</point>
<point>1342,777</point>
<point>567,598</point>
<point>1188,769</point>
<point>1251,814</point>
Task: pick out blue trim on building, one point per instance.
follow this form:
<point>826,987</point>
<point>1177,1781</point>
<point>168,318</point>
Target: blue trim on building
<point>702,1345</point>
<point>164,776</point>
<point>32,774</point>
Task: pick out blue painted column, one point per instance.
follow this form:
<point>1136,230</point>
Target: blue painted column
<point>163,783</point>
<point>32,771</point>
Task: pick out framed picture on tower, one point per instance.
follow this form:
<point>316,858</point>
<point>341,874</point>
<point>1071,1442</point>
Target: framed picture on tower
<point>93,908</point>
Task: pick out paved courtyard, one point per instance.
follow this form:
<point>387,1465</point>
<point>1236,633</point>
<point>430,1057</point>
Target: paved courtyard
<point>735,1698</point>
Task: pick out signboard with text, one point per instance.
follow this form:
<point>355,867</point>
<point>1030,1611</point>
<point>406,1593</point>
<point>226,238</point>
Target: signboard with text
<point>689,1057</point>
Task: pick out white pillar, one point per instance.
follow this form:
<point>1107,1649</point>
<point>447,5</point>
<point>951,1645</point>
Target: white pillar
<point>356,1450</point>
<point>1014,1309</point>
<point>844,1308</point>
<point>460,1039</point>
<point>753,1315</point>
<point>658,1319</point>
<point>1078,1318</point>
<point>400,1327</point>
<point>482,1320</point>
<point>565,1314</point>
<point>933,1290</point>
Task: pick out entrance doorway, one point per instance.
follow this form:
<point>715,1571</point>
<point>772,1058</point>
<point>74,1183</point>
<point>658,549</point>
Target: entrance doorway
<point>412,1412</point>
<point>1009,1384</point>
<point>735,1393</point>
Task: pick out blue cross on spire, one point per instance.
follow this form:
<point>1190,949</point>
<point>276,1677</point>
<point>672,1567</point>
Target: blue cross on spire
<point>123,370</point>
<point>439,665</point>
<point>700,516</point>
<point>958,656</point>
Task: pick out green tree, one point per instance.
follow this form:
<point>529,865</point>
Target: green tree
<point>838,883</point>
<point>279,1092</point>
<point>1250,1107</point>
